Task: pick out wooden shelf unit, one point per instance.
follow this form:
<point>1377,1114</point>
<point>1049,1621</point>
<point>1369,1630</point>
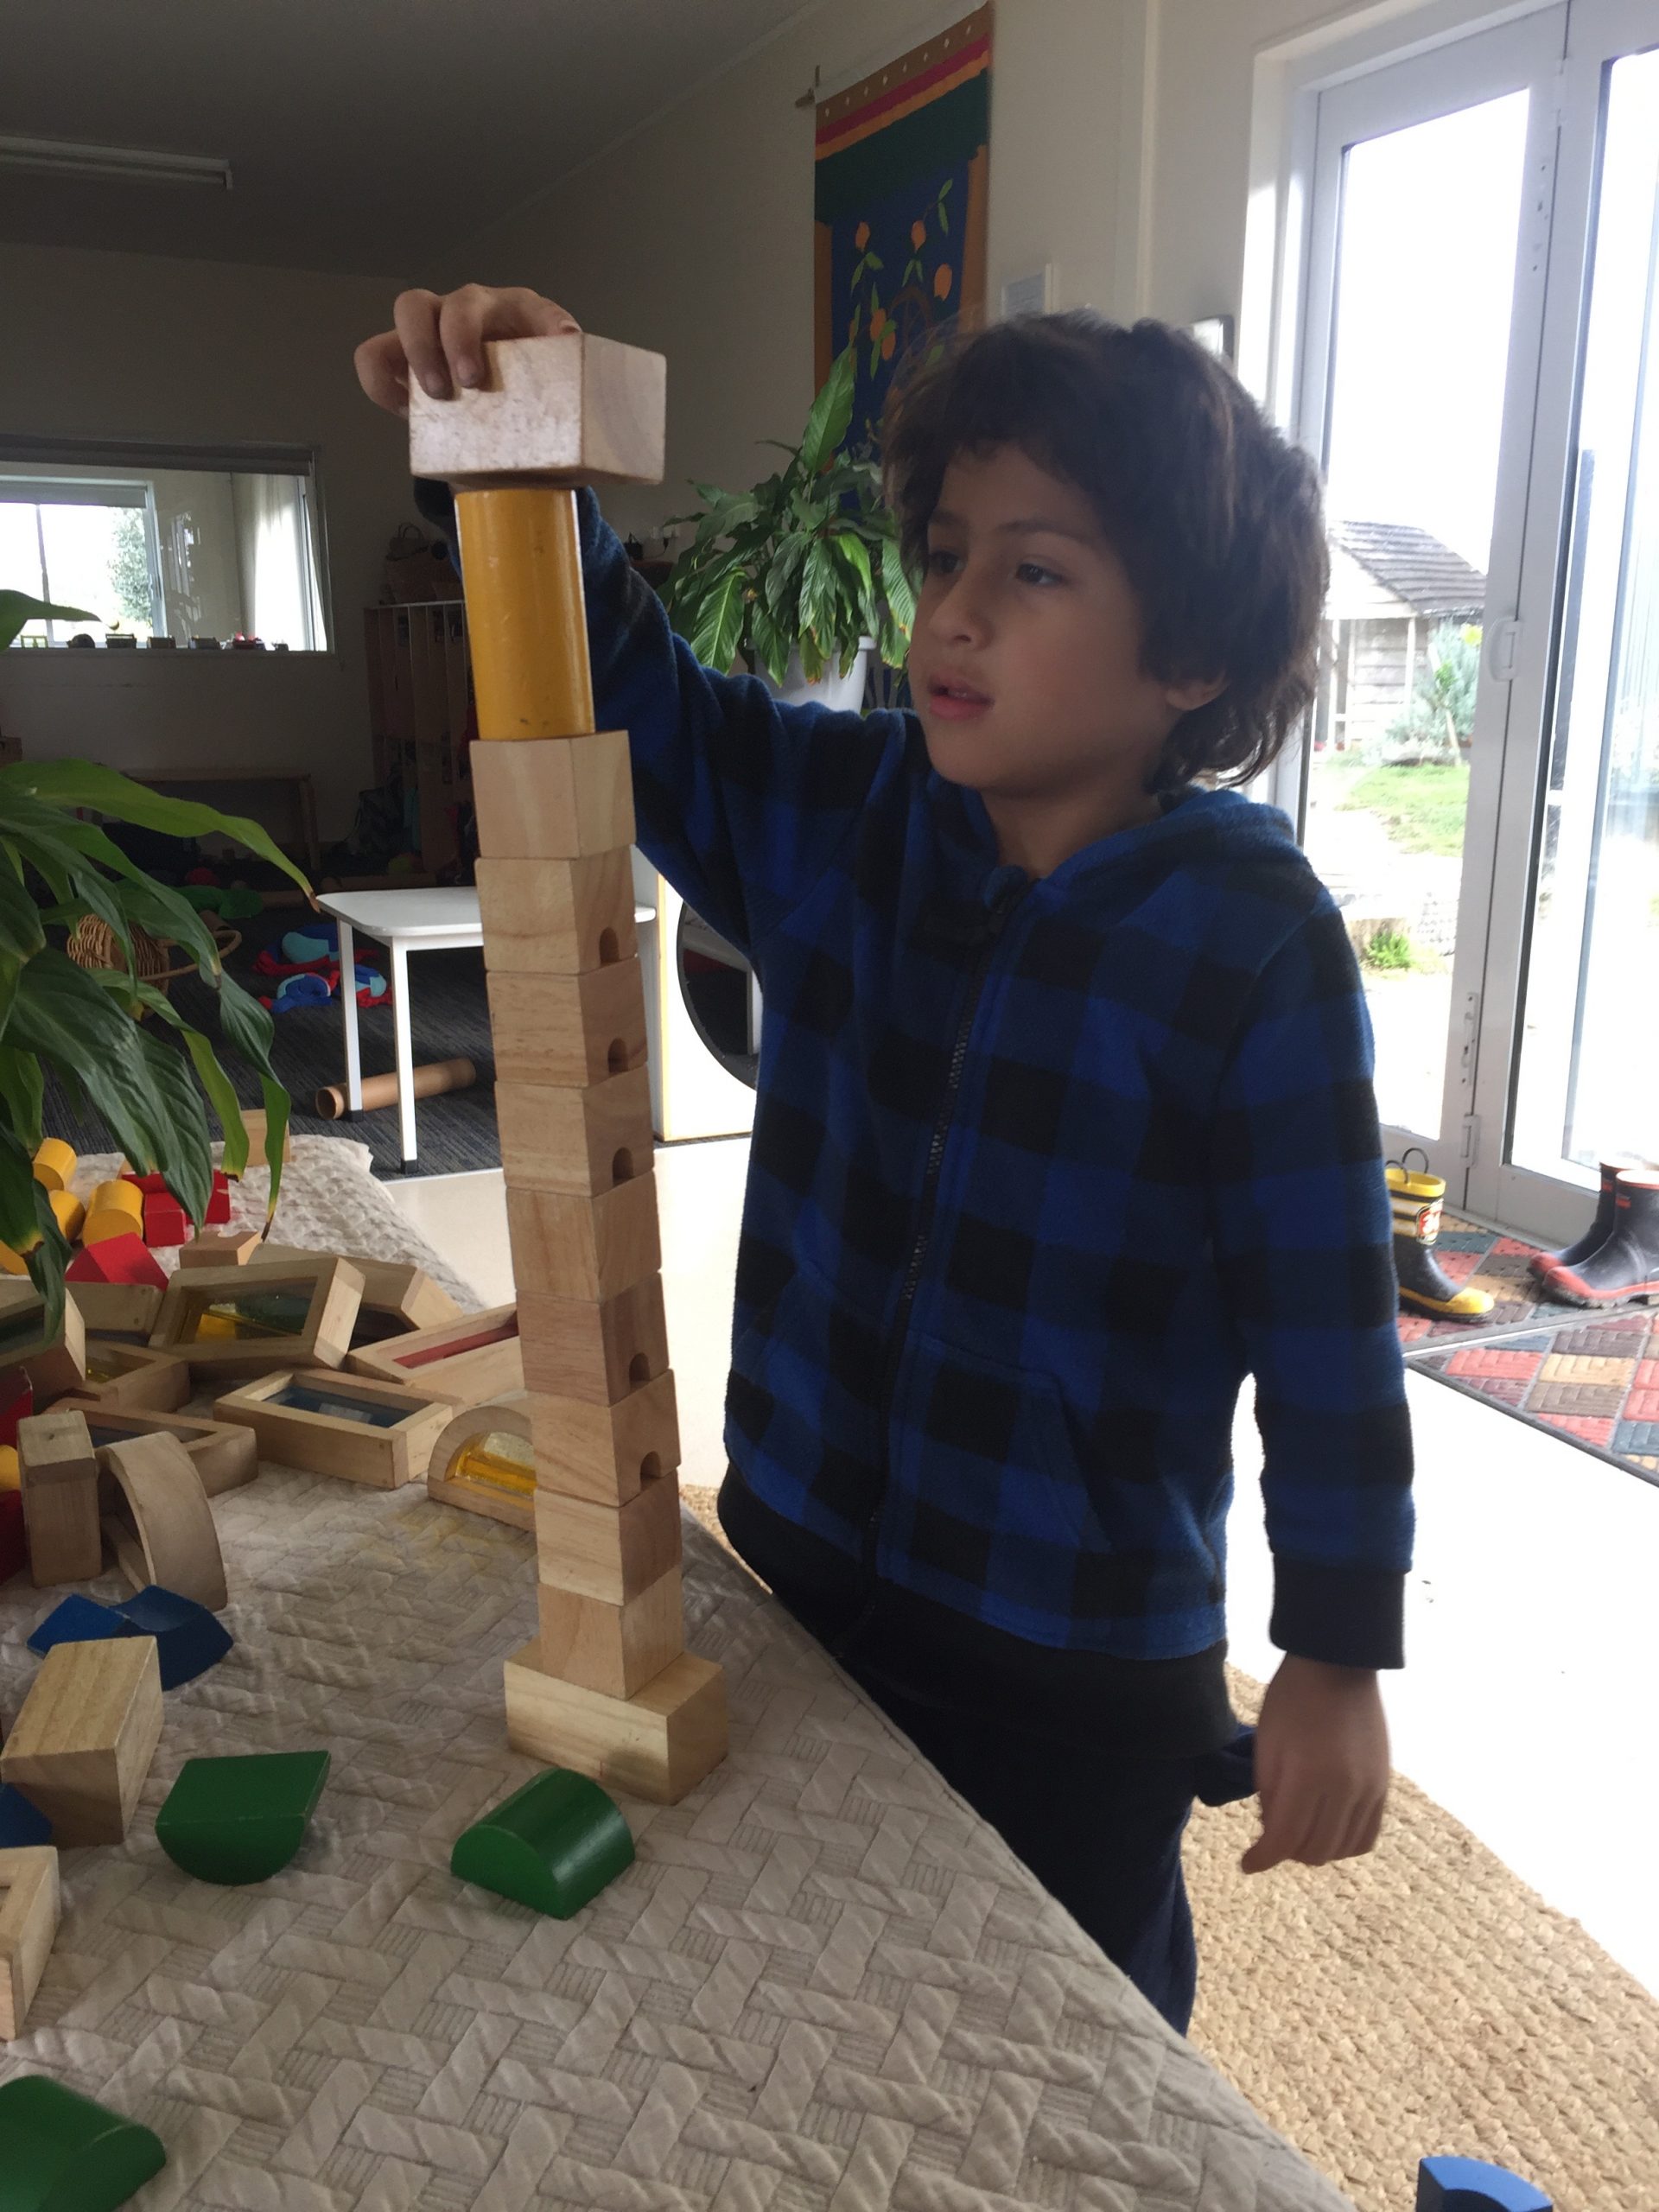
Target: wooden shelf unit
<point>420,701</point>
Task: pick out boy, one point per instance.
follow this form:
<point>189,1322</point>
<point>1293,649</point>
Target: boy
<point>1063,1120</point>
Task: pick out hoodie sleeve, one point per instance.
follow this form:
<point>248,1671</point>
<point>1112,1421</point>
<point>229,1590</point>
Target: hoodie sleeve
<point>1303,1236</point>
<point>739,801</point>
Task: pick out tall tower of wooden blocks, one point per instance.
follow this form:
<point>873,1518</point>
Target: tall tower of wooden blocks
<point>607,1687</point>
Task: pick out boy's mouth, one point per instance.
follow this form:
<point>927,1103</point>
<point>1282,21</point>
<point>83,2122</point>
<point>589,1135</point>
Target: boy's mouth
<point>954,700</point>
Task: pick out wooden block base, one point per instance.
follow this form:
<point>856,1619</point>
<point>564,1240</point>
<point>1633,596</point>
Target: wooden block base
<point>658,1745</point>
<point>81,1745</point>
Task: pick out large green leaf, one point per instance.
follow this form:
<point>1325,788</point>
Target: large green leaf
<point>23,1087</point>
<point>771,644</point>
<point>20,918</point>
<point>249,1026</point>
<point>720,623</point>
<point>84,782</point>
<point>222,1093</point>
<point>832,411</point>
<point>67,1017</point>
<point>18,610</point>
<point>902,597</point>
<point>784,578</point>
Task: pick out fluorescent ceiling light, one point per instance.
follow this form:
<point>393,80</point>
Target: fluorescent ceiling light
<point>114,164</point>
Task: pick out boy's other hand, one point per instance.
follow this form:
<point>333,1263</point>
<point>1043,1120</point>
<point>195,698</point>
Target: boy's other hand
<point>1321,1765</point>
<point>439,337</point>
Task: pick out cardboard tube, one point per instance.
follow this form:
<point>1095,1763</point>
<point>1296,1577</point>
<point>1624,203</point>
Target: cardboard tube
<point>382,1090</point>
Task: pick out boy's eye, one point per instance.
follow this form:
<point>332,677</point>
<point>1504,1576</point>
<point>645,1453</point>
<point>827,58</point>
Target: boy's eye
<point>941,561</point>
<point>1032,572</point>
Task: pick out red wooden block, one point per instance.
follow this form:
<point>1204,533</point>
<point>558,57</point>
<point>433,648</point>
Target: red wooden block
<point>17,1402</point>
<point>13,1547</point>
<point>166,1222</point>
<point>151,1186</point>
<point>117,1259</point>
<point>219,1206</point>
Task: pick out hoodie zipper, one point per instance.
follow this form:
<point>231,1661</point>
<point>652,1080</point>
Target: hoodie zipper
<point>995,920</point>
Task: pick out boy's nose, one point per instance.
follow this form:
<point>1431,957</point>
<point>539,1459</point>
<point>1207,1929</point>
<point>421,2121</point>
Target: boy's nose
<point>960,617</point>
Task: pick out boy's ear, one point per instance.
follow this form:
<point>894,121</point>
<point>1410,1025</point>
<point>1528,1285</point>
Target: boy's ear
<point>1194,692</point>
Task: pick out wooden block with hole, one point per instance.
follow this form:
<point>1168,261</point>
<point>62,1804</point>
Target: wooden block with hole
<point>657,1744</point>
<point>166,1533</point>
<point>82,1744</point>
<point>608,1553</point>
<point>584,1141</point>
<point>131,1378</point>
<point>553,798</point>
<point>225,1458</point>
<point>585,1244</point>
<point>462,1362</point>
<point>571,1030</point>
<point>253,1320</point>
<point>605,1452</point>
<point>58,1473</point>
<point>613,1650</point>
<point>557,918</point>
<point>348,1426</point>
<point>583,409</point>
<point>116,1309</point>
<point>599,1350</point>
<point>30,1907</point>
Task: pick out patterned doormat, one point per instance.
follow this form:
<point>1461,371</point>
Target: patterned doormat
<point>1590,1376</point>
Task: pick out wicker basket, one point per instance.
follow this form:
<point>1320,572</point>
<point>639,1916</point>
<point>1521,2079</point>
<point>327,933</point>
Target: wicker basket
<point>92,944</point>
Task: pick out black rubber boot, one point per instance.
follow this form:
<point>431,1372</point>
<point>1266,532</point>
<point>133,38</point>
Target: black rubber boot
<point>1625,1267</point>
<point>1425,1287</point>
<point>1593,1237</point>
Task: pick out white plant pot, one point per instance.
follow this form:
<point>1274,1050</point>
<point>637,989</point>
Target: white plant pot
<point>832,688</point>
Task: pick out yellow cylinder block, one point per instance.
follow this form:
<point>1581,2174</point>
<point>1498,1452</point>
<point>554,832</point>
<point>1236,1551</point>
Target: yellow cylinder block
<point>525,619</point>
<point>54,1163</point>
<point>497,1460</point>
<point>11,1263</point>
<point>10,1478</point>
<point>70,1212</point>
<point>126,1198</point>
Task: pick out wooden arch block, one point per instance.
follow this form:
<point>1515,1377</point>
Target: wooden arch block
<point>173,1540</point>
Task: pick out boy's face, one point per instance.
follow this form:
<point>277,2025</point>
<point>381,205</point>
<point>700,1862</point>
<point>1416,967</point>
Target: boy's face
<point>1025,661</point>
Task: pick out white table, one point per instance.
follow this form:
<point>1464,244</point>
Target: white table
<point>432,920</point>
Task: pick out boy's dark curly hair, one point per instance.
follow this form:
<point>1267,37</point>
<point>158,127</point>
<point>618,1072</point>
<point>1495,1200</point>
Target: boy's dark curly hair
<point>1216,518</point>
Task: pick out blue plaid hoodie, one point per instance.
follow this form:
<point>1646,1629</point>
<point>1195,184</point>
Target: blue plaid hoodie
<point>1040,1170</point>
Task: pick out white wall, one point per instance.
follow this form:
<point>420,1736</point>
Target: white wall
<point>115,345</point>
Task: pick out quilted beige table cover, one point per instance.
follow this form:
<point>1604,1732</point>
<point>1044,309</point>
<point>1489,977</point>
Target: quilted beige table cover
<point>825,1985</point>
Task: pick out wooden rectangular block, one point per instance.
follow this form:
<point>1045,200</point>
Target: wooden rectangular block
<point>397,1296</point>
<point>583,409</point>
<point>225,1458</point>
<point>226,1248</point>
<point>614,1554</point>
<point>658,1745</point>
<point>58,1474</point>
<point>30,1908</point>
<point>254,1320</point>
<point>605,1452</point>
<point>132,1378</point>
<point>349,1426</point>
<point>580,1244</point>
<point>571,1030</point>
<point>615,1649</point>
<point>557,918</point>
<point>54,1365</point>
<point>580,1141</point>
<point>118,1309</point>
<point>553,798</point>
<point>575,1348</point>
<point>82,1744</point>
<point>463,1362</point>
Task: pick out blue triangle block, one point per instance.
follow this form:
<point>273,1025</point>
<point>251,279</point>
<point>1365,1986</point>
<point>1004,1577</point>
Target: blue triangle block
<point>78,1620</point>
<point>189,1638</point>
<point>21,1823</point>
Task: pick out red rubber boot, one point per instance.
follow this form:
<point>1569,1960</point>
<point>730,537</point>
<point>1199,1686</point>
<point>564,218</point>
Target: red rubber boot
<point>1593,1237</point>
<point>1625,1267</point>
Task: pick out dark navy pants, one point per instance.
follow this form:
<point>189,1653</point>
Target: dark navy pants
<point>1102,1834</point>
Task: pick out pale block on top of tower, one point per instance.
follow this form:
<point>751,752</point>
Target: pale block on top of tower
<point>582,1140</point>
<point>576,1244</point>
<point>557,918</point>
<point>568,1029</point>
<point>604,1453</point>
<point>581,409</point>
<point>553,798</point>
<point>575,1348</point>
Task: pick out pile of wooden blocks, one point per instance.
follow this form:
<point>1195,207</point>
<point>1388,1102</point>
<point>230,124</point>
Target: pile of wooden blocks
<point>607,1687</point>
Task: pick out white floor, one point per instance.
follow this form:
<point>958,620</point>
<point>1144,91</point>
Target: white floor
<point>1527,1708</point>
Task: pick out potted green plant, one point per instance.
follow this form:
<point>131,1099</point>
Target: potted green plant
<point>59,868</point>
<point>802,573</point>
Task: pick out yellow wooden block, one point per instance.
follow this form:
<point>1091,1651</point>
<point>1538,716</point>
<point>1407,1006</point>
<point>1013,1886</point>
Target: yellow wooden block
<point>571,1030</point>
<point>553,798</point>
<point>615,1649</point>
<point>576,1348</point>
<point>557,918</point>
<point>614,1554</point>
<point>658,1745</point>
<point>573,1244</point>
<point>574,407</point>
<point>605,1452</point>
<point>12,1263</point>
<point>59,1474</point>
<point>54,1163</point>
<point>29,1906</point>
<point>12,1472</point>
<point>82,1745</point>
<point>68,1212</point>
<point>585,1141</point>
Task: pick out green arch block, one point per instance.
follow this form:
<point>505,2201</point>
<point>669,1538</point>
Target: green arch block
<point>61,2152</point>
<point>553,1845</point>
<point>241,1820</point>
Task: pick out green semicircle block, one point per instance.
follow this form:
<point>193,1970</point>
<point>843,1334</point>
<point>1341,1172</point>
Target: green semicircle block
<point>553,1845</point>
<point>231,1821</point>
<point>61,2153</point>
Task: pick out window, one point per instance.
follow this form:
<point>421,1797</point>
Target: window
<point>163,552</point>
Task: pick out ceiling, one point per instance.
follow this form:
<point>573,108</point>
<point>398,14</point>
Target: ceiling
<point>375,135</point>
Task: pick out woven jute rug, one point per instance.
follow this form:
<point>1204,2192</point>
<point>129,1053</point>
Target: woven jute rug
<point>1421,1999</point>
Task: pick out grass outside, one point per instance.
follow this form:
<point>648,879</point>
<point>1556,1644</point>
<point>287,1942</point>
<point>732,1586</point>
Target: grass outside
<point>1422,807</point>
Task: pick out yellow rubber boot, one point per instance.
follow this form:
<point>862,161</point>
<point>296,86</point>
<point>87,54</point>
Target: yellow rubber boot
<point>1425,1287</point>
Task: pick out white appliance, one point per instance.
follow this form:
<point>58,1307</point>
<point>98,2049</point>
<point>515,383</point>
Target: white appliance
<point>693,1093</point>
